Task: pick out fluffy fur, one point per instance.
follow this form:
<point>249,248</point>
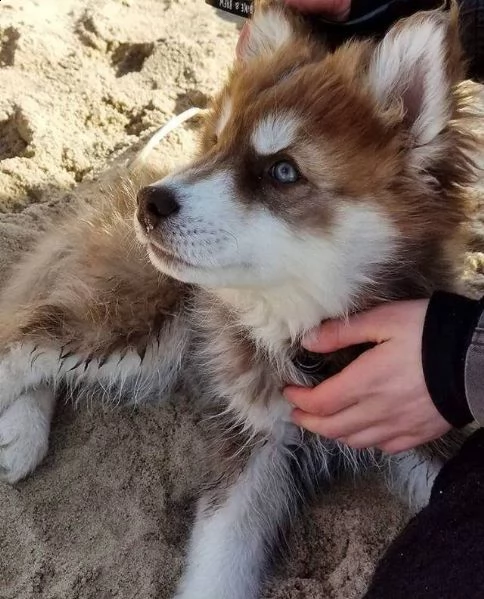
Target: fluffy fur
<point>245,264</point>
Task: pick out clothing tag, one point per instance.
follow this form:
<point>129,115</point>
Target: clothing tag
<point>241,8</point>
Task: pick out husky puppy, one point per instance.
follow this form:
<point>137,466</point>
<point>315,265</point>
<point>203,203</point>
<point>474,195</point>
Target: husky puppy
<point>328,181</point>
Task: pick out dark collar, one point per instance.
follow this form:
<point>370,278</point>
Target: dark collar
<point>321,366</point>
<point>314,365</point>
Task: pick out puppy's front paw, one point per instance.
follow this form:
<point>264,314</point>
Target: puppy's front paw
<point>24,434</point>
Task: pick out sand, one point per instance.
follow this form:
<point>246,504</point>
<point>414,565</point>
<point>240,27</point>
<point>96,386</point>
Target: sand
<point>82,84</point>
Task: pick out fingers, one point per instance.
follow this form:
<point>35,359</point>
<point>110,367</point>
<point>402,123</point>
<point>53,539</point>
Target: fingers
<point>371,403</point>
<point>399,444</point>
<point>336,334</point>
<point>363,426</point>
<point>350,432</point>
<point>375,326</point>
<point>403,442</point>
<point>335,394</point>
<point>341,390</point>
<point>343,424</point>
<point>337,8</point>
<point>324,400</point>
<point>374,436</point>
<point>378,436</point>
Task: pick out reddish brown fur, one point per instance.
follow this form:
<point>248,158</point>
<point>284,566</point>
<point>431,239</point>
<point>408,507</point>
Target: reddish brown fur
<point>354,149</point>
<point>353,146</point>
<point>89,286</point>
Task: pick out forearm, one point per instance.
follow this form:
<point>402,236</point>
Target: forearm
<point>453,357</point>
<point>474,373</point>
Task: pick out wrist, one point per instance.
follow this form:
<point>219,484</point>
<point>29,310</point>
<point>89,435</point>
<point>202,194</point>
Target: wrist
<point>450,322</point>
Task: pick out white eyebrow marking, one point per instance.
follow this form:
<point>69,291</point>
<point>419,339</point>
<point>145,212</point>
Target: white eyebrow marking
<point>274,133</point>
<point>225,115</point>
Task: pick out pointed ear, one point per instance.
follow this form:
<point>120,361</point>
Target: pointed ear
<point>269,29</point>
<point>416,64</point>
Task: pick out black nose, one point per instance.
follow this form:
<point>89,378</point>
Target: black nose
<point>154,204</point>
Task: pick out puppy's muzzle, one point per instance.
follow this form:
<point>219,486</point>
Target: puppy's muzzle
<point>155,204</point>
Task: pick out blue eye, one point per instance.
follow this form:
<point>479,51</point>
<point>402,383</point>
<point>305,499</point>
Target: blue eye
<point>284,172</point>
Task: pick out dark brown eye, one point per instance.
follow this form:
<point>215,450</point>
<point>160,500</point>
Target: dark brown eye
<point>284,172</point>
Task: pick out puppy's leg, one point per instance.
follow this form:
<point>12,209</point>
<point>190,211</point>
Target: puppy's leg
<point>30,374</point>
<point>24,433</point>
<point>26,407</point>
<point>87,310</point>
<point>411,476</point>
<point>241,525</point>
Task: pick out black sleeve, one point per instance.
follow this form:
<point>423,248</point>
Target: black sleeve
<point>450,323</point>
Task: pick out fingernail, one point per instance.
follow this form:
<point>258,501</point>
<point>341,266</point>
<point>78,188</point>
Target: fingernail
<point>287,392</point>
<point>310,339</point>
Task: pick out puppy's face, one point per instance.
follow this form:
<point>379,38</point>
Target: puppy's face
<point>308,159</point>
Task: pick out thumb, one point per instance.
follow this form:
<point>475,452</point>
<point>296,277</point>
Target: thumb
<point>367,327</point>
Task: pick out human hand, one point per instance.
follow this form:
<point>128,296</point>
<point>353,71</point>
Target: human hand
<point>338,10</point>
<point>380,399</point>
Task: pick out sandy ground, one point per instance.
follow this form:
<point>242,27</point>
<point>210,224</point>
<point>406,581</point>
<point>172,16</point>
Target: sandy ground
<point>107,515</point>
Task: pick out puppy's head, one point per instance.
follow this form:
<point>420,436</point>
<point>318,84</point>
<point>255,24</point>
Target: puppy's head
<point>317,168</point>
